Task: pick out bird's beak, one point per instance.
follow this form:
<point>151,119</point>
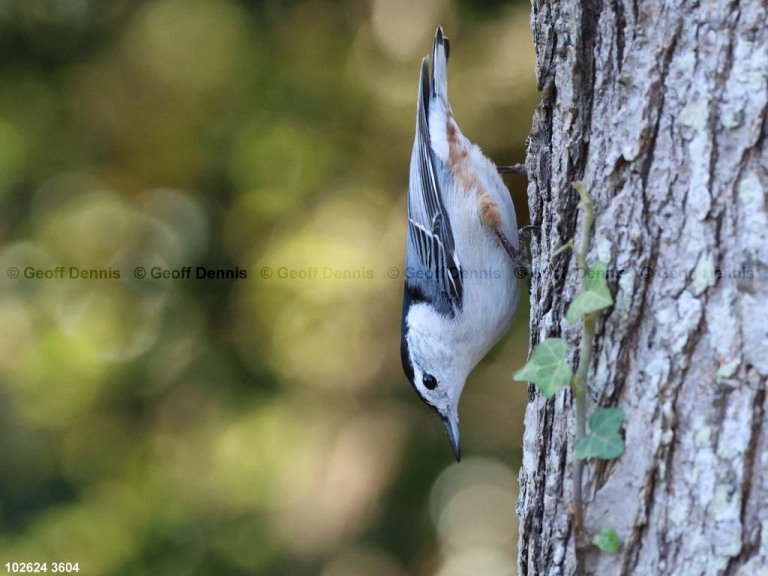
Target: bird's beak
<point>451,422</point>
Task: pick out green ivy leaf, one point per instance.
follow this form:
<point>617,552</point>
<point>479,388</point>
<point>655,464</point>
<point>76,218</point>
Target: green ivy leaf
<point>607,540</point>
<point>547,368</point>
<point>595,296</point>
<point>604,440</point>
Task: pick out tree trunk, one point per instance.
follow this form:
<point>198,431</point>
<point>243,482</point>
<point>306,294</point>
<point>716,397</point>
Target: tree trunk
<point>660,109</point>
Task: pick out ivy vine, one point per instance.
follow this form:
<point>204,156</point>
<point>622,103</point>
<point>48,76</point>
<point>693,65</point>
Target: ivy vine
<point>548,369</point>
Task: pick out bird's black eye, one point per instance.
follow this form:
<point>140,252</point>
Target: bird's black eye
<point>429,381</point>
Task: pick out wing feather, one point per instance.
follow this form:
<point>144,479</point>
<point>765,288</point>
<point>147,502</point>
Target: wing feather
<point>431,258</point>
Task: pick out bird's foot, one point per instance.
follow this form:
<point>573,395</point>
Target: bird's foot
<point>523,266</point>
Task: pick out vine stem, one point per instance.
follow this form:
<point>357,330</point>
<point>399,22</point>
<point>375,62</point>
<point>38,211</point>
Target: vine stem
<point>580,406</point>
<point>579,383</point>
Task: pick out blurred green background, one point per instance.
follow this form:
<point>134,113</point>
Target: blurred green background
<point>260,425</point>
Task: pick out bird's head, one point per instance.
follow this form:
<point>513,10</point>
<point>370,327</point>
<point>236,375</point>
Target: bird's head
<point>434,368</point>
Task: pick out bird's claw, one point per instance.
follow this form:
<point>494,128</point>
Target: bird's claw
<point>513,169</point>
<point>515,254</point>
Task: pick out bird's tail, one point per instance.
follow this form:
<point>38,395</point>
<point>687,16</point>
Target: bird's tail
<point>440,52</point>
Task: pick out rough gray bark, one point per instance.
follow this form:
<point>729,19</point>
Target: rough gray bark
<point>660,108</point>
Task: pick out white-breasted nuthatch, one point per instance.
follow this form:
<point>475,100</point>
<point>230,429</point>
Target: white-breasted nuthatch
<point>462,249</point>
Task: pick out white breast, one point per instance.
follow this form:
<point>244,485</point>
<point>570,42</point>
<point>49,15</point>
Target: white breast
<point>491,289</point>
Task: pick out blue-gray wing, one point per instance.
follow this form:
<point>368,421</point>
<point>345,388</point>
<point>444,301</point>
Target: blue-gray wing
<point>433,272</point>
